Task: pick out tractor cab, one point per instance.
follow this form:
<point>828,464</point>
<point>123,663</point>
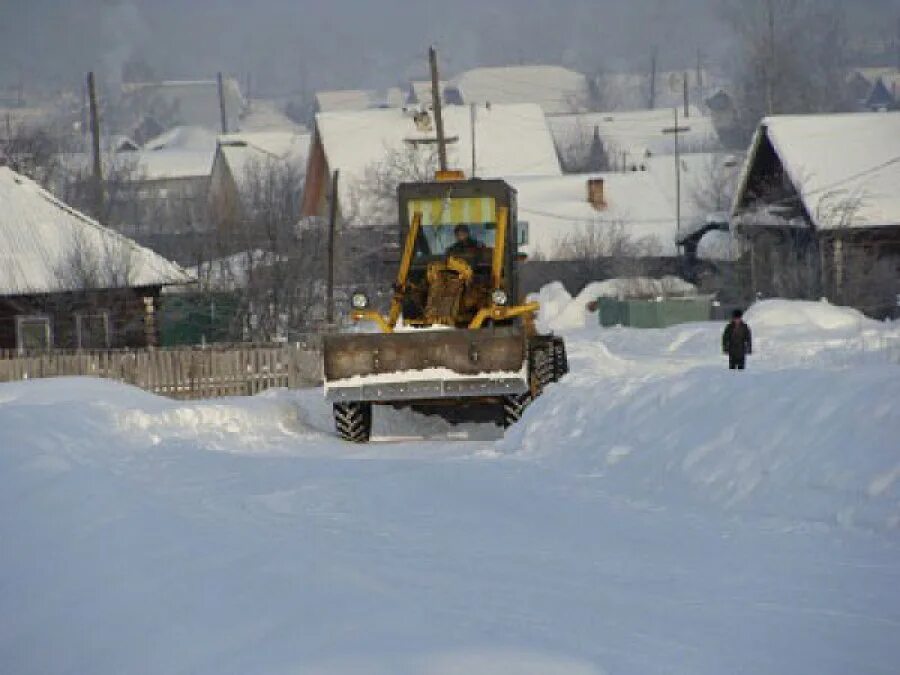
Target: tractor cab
<point>464,243</point>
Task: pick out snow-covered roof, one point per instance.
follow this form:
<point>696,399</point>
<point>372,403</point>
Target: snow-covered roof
<point>838,160</point>
<point>196,102</point>
<point>889,76</point>
<point>173,164</point>
<point>345,100</point>
<point>39,236</point>
<point>644,202</point>
<point>554,88</point>
<point>631,136</point>
<point>267,115</point>
<point>557,210</point>
<point>421,90</point>
<point>245,149</point>
<point>194,138</point>
<point>511,140</point>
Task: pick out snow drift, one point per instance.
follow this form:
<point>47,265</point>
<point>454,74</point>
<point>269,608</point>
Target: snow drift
<point>652,513</point>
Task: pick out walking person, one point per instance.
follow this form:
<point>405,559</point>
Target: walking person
<point>737,341</point>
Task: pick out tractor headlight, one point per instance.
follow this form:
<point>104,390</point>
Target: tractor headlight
<point>359,300</point>
<point>498,297</point>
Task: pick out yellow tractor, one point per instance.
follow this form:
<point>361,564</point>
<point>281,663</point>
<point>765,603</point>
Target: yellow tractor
<point>455,341</point>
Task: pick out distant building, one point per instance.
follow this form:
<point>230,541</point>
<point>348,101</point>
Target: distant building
<point>154,107</point>
<point>875,89</point>
<point>66,281</point>
<point>419,93</point>
<point>346,100</point>
<point>630,138</point>
<point>556,89</point>
<point>818,209</point>
<point>242,156</point>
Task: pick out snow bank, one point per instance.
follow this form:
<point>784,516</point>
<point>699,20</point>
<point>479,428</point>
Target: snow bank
<point>809,316</point>
<point>813,446</point>
<point>560,312</point>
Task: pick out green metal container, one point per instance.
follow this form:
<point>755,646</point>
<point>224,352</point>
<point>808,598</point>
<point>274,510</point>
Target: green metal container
<point>653,313</point>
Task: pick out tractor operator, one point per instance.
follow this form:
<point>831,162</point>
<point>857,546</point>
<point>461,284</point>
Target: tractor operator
<point>465,243</point>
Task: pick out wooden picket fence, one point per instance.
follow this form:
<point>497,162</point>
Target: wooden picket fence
<point>178,372</point>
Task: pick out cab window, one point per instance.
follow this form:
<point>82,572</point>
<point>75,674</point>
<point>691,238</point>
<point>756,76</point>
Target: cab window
<point>442,218</point>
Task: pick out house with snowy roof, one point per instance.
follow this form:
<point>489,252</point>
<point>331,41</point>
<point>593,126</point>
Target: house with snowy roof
<point>817,210</point>
<point>66,281</point>
<point>374,150</point>
<point>158,194</point>
<point>629,138</point>
<point>875,89</point>
<point>344,100</point>
<point>245,158</point>
<point>557,90</point>
<point>183,103</point>
<point>654,208</point>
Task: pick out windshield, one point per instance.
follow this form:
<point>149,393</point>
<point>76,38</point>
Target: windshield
<point>457,226</point>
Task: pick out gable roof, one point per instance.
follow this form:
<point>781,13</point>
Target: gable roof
<point>242,150</point>
<point>196,101</point>
<point>359,99</point>
<point>636,134</point>
<point>643,202</point>
<point>39,235</point>
<point>511,140</point>
<point>556,89</point>
<point>836,159</point>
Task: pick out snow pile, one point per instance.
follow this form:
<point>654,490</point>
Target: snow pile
<point>652,512</point>
<point>560,312</point>
<point>808,316</point>
<point>813,446</point>
<point>717,245</point>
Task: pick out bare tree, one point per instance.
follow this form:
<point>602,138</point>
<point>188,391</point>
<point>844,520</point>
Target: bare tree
<point>34,152</point>
<point>791,57</point>
<point>373,201</point>
<point>275,265</point>
<point>605,250</point>
<point>714,190</point>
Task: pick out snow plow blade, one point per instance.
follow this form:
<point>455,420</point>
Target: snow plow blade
<point>425,365</point>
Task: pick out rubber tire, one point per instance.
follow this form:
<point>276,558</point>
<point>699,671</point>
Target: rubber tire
<point>353,421</point>
<point>560,359</point>
<point>514,407</point>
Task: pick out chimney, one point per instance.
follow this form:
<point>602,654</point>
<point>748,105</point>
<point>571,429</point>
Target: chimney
<point>595,193</point>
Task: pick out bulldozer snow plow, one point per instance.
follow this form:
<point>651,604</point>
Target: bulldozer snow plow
<point>466,350</point>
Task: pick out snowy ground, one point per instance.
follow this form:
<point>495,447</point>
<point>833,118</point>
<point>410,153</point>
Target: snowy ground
<point>653,513</point>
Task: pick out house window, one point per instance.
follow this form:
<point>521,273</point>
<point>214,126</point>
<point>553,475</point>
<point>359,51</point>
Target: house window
<point>92,330</point>
<point>33,333</point>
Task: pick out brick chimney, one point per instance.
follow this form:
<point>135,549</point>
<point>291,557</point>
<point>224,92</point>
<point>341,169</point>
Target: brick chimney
<point>595,193</point>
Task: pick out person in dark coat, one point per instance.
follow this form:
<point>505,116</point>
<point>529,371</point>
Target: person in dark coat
<point>465,242</point>
<point>737,341</point>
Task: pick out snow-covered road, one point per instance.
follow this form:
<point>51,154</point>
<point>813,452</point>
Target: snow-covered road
<point>653,513</point>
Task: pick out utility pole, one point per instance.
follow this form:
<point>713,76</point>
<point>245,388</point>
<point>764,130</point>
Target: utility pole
<point>677,179</point>
<point>222,112</point>
<point>653,57</point>
<point>436,104</point>
<point>472,114</point>
<point>97,173</point>
<point>332,226</point>
<point>687,99</point>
